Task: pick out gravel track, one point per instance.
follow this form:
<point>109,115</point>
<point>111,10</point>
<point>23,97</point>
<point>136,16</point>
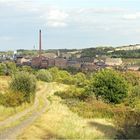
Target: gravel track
<point>13,132</point>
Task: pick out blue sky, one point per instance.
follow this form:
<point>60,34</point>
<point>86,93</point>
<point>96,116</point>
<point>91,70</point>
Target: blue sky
<point>68,23</point>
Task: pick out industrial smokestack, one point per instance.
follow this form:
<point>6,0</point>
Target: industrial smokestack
<point>40,47</point>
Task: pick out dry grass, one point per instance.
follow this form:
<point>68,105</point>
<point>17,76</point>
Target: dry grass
<point>6,112</point>
<point>60,123</point>
<point>4,80</point>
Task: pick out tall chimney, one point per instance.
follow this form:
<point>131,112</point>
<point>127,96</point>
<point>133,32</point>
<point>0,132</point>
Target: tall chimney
<point>40,47</point>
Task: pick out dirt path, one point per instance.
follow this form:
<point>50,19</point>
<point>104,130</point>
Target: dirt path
<point>11,133</point>
<point>59,122</point>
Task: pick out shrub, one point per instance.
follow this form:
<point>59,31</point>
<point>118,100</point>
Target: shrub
<point>110,86</point>
<point>128,125</point>
<point>132,78</point>
<point>3,69</point>
<point>65,77</point>
<point>55,73</point>
<point>92,108</point>
<point>72,92</point>
<point>10,68</point>
<point>80,79</point>
<point>44,75</point>
<point>26,69</point>
<point>24,83</point>
<point>133,99</point>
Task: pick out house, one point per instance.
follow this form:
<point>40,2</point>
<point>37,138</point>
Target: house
<point>85,59</point>
<point>113,61</point>
<point>51,62</point>
<point>44,62</point>
<point>36,62</point>
<point>74,64</point>
<point>88,66</point>
<point>40,62</point>
<point>61,62</point>
<point>66,55</point>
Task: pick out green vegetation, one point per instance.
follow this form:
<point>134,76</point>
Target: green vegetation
<point>58,122</point>
<point>110,51</point>
<point>128,125</point>
<point>110,86</point>
<point>44,75</point>
<point>106,94</point>
<point>24,83</point>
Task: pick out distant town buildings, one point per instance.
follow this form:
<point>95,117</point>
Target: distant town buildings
<point>65,60</point>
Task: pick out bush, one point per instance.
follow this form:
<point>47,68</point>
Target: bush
<point>10,68</point>
<point>110,86</point>
<point>80,79</point>
<point>72,92</point>
<point>132,78</point>
<point>3,69</point>
<point>92,108</point>
<point>27,69</point>
<point>24,83</point>
<point>55,73</point>
<point>128,125</point>
<point>44,75</point>
<point>65,77</point>
<point>133,99</point>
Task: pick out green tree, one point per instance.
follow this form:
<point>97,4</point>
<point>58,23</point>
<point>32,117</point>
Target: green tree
<point>110,85</point>
<point>80,79</point>
<point>10,68</point>
<point>2,69</point>
<point>65,77</point>
<point>44,75</point>
<point>24,83</point>
<point>11,99</point>
<point>55,73</point>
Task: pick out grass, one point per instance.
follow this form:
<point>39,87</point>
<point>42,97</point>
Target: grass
<point>6,112</point>
<point>132,61</point>
<point>20,108</point>
<point>4,83</point>
<point>60,123</point>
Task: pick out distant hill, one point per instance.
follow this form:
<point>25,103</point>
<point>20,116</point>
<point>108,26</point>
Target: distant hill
<point>128,47</point>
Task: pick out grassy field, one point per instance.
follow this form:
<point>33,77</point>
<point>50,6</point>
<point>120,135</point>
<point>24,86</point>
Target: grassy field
<point>60,123</point>
<point>132,61</point>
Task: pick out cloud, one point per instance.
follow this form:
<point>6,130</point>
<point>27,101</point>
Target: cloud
<point>55,17</point>
<point>52,16</point>
<point>132,16</point>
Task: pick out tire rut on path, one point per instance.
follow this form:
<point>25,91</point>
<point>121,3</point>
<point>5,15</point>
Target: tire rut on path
<point>11,133</point>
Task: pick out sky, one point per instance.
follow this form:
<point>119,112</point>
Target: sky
<point>68,23</point>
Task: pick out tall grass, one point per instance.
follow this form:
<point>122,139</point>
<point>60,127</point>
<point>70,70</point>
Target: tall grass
<point>60,123</point>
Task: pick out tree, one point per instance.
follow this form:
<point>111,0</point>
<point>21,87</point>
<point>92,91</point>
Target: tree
<point>44,75</point>
<point>55,73</point>
<point>24,83</point>
<point>65,77</point>
<point>2,69</point>
<point>10,68</point>
<point>80,79</point>
<point>11,99</point>
<point>110,85</point>
<point>27,69</point>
